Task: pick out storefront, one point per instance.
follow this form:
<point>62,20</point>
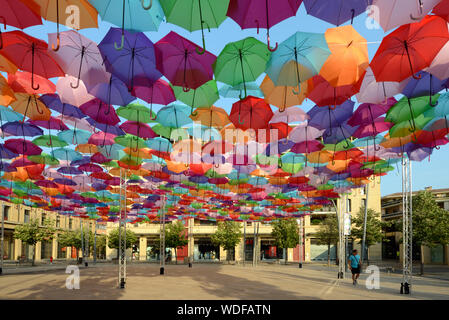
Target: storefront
<point>204,250</point>
<point>269,251</point>
<point>319,252</point>
<point>8,246</point>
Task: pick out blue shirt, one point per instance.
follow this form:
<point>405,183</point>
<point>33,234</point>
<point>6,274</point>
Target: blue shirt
<point>355,260</point>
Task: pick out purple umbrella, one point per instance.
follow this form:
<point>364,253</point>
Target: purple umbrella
<point>106,128</point>
<point>424,85</point>
<point>6,153</point>
<point>307,147</point>
<point>46,184</point>
<point>336,12</point>
<point>65,181</point>
<point>338,133</point>
<point>69,170</point>
<point>326,117</point>
<point>98,186</point>
<point>22,146</point>
<point>17,128</point>
<point>372,129</point>
<point>114,92</point>
<point>53,102</point>
<point>366,113</point>
<point>90,167</point>
<point>136,61</point>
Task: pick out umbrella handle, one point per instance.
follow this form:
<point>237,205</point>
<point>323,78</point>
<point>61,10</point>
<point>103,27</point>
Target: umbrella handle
<point>240,122</point>
<point>193,113</point>
<point>296,92</point>
<point>185,89</point>
<point>352,15</point>
<point>347,146</point>
<point>268,45</point>
<point>430,102</point>
<point>33,86</point>
<point>121,45</point>
<point>147,7</point>
<point>216,165</point>
<point>282,109</point>
<point>58,42</point>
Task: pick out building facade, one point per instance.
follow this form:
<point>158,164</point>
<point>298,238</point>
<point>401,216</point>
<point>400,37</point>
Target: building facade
<point>256,236</point>
<point>15,250</point>
<point>392,211</point>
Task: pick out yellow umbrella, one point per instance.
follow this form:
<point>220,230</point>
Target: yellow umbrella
<point>6,93</point>
<point>282,96</point>
<point>29,105</point>
<point>212,117</point>
<point>349,56</point>
<point>7,66</point>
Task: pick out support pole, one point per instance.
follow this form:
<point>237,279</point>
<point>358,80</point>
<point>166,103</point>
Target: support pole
<point>162,270</point>
<point>82,241</point>
<point>341,248</point>
<point>86,246</point>
<point>122,235</point>
<point>95,242</point>
<point>2,238</point>
<point>364,251</point>
<point>300,242</point>
<point>254,244</point>
<point>244,242</point>
<point>191,245</point>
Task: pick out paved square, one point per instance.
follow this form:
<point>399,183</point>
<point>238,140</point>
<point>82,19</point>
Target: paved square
<point>205,281</point>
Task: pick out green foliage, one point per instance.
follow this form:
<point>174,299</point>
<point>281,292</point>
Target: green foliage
<point>228,235</point>
<point>33,232</point>
<point>175,235</point>
<point>113,238</point>
<point>374,227</point>
<point>285,233</point>
<point>430,222</point>
<point>70,239</point>
<point>328,232</point>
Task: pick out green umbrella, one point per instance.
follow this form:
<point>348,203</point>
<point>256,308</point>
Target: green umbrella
<point>130,141</point>
<point>241,61</point>
<point>341,146</point>
<point>404,128</point>
<point>194,14</point>
<point>137,112</point>
<point>408,109</point>
<point>49,141</point>
<point>201,97</point>
<point>44,159</point>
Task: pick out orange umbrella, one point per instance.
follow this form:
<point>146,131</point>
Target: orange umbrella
<point>30,106</point>
<point>322,156</point>
<point>144,153</point>
<point>282,96</point>
<point>6,65</point>
<point>396,142</point>
<point>349,56</point>
<point>86,148</point>
<point>177,167</point>
<point>212,117</point>
<point>21,82</point>
<point>6,94</point>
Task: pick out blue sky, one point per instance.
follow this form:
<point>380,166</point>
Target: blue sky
<point>425,173</point>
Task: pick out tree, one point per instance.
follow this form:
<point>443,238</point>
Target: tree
<point>113,239</point>
<point>374,227</point>
<point>430,223</point>
<point>175,237</point>
<point>101,244</point>
<point>328,234</point>
<point>228,235</point>
<point>32,233</point>
<point>286,234</point>
<point>73,239</point>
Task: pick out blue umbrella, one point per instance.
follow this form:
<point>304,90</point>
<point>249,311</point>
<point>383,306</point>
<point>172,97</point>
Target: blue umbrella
<point>114,92</point>
<point>53,102</point>
<point>18,128</point>
<point>66,154</point>
<point>424,85</point>
<point>74,136</point>
<point>297,59</point>
<point>174,115</point>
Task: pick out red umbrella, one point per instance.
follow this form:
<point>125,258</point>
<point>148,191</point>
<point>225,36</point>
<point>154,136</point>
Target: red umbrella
<point>138,129</point>
<point>251,112</point>
<point>30,54</point>
<point>320,91</point>
<point>18,14</point>
<point>178,60</point>
<point>442,9</point>
<point>22,146</point>
<point>21,82</point>
<point>409,49</point>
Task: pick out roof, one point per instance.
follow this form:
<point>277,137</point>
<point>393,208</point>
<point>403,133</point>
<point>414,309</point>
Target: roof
<point>399,194</point>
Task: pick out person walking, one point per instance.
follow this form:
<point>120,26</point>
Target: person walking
<point>355,266</point>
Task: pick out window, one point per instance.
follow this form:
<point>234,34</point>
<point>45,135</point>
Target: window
<point>349,206</point>
<point>26,216</point>
<point>364,203</point>
<point>70,223</point>
<point>6,212</point>
<point>363,191</point>
<point>58,221</point>
<point>44,216</point>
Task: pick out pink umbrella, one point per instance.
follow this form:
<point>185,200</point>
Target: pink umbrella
<point>370,130</point>
<point>90,167</point>
<point>76,123</point>
<point>307,147</point>
<point>372,91</point>
<point>100,112</point>
<point>292,114</point>
<point>102,139</point>
<point>159,92</point>
<point>138,129</point>
<point>304,132</point>
<point>178,60</point>
<point>51,124</point>
<point>75,97</point>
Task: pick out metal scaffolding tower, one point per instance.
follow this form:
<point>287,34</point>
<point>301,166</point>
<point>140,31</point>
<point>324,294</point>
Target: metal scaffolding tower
<point>122,234</point>
<point>407,231</point>
<point>364,252</point>
<point>95,242</point>
<point>162,248</point>
<point>82,241</point>
<point>2,238</point>
<point>244,242</point>
<point>191,244</point>
<point>86,246</point>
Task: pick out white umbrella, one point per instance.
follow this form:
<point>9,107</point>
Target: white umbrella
<point>440,65</point>
<point>75,97</point>
<point>394,13</point>
<point>292,114</point>
<point>375,92</point>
